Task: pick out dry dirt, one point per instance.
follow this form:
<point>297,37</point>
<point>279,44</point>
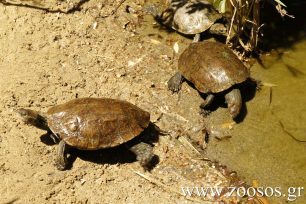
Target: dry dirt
<point>102,50</point>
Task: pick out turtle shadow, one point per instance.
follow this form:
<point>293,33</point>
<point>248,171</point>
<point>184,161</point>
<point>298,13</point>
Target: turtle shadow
<point>120,154</point>
<point>114,155</point>
<point>248,91</point>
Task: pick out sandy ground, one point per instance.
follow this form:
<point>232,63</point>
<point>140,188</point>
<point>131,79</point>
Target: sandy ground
<point>47,58</point>
<point>112,49</point>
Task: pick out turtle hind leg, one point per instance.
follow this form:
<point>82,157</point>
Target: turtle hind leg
<point>144,154</point>
<point>234,102</point>
<point>61,160</point>
<point>209,99</point>
<point>175,82</point>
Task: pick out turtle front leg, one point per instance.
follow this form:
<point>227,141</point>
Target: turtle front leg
<point>206,103</point>
<point>175,82</point>
<point>234,102</point>
<point>196,38</point>
<point>61,160</point>
<point>144,154</point>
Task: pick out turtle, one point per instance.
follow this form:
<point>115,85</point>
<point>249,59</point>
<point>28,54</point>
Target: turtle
<point>191,17</point>
<point>213,68</point>
<point>91,124</point>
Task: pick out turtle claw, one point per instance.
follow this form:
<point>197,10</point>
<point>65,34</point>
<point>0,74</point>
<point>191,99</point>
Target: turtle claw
<point>204,112</point>
<point>175,83</point>
<point>259,85</point>
<point>174,88</point>
<point>60,165</point>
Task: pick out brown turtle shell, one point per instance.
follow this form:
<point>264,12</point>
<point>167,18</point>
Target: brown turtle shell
<point>94,123</point>
<point>211,67</point>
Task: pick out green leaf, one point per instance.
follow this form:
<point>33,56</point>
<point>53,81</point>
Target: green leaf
<point>220,5</point>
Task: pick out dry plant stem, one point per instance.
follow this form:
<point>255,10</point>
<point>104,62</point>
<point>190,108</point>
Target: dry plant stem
<point>245,47</point>
<point>244,13</point>
<point>232,22</point>
<point>256,15</point>
<point>240,4</point>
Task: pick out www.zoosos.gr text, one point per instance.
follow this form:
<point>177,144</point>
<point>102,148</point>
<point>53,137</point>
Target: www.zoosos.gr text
<point>291,194</point>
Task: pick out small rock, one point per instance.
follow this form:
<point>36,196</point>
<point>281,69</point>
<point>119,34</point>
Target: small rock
<point>82,181</point>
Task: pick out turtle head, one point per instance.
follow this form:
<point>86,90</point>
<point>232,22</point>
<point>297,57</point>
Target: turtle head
<point>218,29</point>
<point>31,117</point>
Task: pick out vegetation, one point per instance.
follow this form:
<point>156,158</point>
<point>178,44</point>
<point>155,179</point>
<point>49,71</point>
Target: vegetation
<point>245,26</point>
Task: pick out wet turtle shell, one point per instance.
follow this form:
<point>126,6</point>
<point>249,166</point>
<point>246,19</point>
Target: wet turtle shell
<point>212,67</point>
<point>94,123</point>
<point>190,17</point>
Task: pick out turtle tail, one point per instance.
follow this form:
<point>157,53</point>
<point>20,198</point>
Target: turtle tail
<point>33,118</point>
